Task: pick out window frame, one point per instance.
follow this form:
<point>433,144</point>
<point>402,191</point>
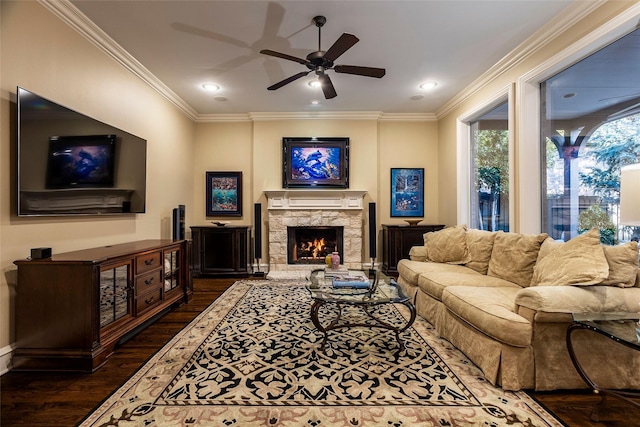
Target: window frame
<point>529,153</point>
<point>463,151</point>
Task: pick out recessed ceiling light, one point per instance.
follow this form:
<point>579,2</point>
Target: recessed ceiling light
<point>314,83</point>
<point>428,85</point>
<point>211,87</point>
<point>315,102</point>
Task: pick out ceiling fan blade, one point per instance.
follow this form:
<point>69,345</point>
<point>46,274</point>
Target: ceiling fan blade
<point>360,71</point>
<point>283,56</point>
<point>344,42</point>
<point>327,87</point>
<point>288,80</point>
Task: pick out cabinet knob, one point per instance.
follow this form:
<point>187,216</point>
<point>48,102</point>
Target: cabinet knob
<point>149,300</point>
<point>148,261</point>
<point>149,281</point>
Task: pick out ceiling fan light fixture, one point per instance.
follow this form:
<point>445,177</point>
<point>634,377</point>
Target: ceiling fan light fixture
<point>321,61</point>
<point>428,85</point>
<point>315,83</point>
<point>211,87</point>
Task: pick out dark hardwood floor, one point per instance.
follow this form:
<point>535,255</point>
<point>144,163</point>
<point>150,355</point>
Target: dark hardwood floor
<point>63,399</point>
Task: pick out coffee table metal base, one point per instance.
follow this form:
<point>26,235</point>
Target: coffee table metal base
<point>628,396</point>
<point>338,323</point>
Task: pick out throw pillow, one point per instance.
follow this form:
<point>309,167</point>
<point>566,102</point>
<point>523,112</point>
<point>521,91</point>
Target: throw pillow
<point>480,245</point>
<point>549,245</point>
<point>514,255</point>
<point>448,245</point>
<point>623,264</point>
<point>580,261</point>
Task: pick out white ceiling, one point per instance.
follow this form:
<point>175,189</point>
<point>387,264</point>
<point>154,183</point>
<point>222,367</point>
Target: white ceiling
<point>187,43</point>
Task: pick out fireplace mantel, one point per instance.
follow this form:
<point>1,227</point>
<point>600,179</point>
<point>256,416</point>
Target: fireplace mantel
<point>315,199</point>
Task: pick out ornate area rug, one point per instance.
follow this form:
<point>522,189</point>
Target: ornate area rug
<point>252,358</point>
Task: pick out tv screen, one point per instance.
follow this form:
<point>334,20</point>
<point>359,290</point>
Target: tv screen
<point>81,161</point>
<point>72,164</point>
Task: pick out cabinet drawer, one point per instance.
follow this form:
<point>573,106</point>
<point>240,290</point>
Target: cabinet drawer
<point>147,282</point>
<point>147,301</point>
<point>148,262</point>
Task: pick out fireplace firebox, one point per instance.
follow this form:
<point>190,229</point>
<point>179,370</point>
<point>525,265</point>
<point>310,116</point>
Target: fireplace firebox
<point>311,245</point>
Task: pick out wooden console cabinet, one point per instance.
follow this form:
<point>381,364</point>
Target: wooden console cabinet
<point>73,308</point>
<point>397,241</point>
<point>220,251</point>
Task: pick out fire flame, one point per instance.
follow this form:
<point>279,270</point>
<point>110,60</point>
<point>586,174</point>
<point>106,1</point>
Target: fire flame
<point>316,247</point>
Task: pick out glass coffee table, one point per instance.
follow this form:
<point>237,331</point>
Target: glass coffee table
<point>623,328</point>
<point>382,290</point>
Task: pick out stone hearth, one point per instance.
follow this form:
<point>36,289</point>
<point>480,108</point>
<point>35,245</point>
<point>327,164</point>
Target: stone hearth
<point>314,208</point>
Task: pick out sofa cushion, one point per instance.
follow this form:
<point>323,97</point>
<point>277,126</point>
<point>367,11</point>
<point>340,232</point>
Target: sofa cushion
<point>490,310</point>
<point>514,255</point>
<point>448,245</point>
<point>580,261</point>
<point>623,264</point>
<point>435,282</point>
<point>480,245</point>
<point>411,270</point>
<point>579,299</point>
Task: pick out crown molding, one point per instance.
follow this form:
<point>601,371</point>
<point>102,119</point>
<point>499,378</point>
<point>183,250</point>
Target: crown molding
<point>554,28</point>
<point>70,15</point>
<point>408,117</point>
<point>215,118</point>
<point>317,115</point>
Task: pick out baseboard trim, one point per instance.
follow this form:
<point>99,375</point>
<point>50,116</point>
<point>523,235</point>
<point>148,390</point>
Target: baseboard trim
<point>262,268</point>
<point>6,354</point>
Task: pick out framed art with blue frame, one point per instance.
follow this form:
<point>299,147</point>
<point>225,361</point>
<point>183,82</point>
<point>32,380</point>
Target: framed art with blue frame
<point>407,192</point>
<point>224,193</point>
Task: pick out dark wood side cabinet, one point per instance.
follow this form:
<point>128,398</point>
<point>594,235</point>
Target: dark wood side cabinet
<point>220,251</point>
<point>397,241</point>
<point>73,308</point>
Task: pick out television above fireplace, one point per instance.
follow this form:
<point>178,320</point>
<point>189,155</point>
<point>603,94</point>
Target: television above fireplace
<point>315,162</point>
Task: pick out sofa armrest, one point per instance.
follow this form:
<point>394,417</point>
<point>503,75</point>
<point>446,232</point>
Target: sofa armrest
<point>418,253</point>
<point>579,299</point>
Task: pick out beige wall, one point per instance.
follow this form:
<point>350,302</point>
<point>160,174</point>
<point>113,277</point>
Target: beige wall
<point>255,148</point>
<point>409,145</point>
<point>44,55</point>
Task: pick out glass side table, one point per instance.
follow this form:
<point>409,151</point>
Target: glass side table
<point>382,290</point>
<point>623,328</point>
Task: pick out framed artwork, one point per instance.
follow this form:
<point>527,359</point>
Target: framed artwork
<point>224,193</point>
<point>315,162</point>
<point>407,192</point>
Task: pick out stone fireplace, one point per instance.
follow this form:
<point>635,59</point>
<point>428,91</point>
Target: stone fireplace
<point>317,209</point>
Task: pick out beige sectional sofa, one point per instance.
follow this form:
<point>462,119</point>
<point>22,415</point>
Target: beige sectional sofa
<point>506,299</point>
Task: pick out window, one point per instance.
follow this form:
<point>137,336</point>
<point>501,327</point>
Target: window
<point>590,128</point>
<point>489,186</point>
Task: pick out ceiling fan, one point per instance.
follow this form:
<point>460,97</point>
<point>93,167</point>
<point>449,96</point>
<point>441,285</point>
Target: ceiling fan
<point>321,61</point>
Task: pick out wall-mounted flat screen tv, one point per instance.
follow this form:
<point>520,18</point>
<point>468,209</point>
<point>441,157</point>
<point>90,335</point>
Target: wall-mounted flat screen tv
<point>315,162</point>
<point>72,164</point>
